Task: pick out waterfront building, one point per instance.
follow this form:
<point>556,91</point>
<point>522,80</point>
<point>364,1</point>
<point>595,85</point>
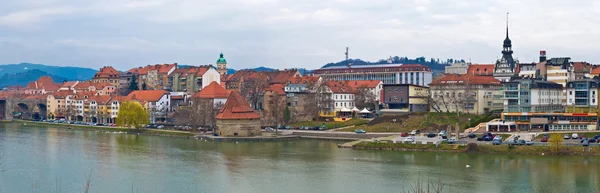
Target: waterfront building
<point>154,77</point>
<point>193,79</point>
<point>374,87</point>
<point>582,96</point>
<point>221,64</point>
<point>101,88</point>
<point>387,73</point>
<point>237,118</point>
<point>342,95</point>
<point>466,93</point>
<point>299,91</point>
<point>155,102</point>
<point>505,68</point>
<point>533,95</point>
<point>544,121</point>
<point>56,104</point>
<point>481,70</point>
<point>41,86</point>
<point>403,98</point>
<point>274,105</point>
<point>107,74</point>
<point>457,68</point>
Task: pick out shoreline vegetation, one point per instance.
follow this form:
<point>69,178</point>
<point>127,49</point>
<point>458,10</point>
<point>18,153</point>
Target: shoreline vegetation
<point>482,149</point>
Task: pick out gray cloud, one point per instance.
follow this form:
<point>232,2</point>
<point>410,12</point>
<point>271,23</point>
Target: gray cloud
<point>285,34</point>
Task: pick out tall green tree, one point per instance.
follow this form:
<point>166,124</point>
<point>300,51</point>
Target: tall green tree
<point>132,114</point>
<point>144,86</point>
<point>133,83</point>
<point>286,115</point>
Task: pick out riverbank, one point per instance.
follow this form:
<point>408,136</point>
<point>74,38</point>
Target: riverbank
<point>151,132</point>
<point>475,148</point>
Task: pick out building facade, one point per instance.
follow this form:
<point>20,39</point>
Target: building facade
<point>582,96</point>
<point>532,95</point>
<point>387,73</point>
<point>107,74</point>
<point>457,68</point>
<point>466,93</point>
<point>505,68</point>
<point>402,98</point>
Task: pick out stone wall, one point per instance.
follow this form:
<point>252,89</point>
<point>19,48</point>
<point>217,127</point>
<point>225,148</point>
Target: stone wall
<point>243,128</point>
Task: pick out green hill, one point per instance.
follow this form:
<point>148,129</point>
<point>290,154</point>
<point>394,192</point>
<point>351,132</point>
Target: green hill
<point>23,78</point>
<point>71,73</point>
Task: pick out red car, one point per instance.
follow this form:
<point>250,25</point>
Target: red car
<point>544,139</point>
<point>404,134</point>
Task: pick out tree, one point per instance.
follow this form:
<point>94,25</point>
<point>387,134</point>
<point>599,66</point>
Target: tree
<point>133,83</point>
<point>364,98</point>
<point>253,89</point>
<point>200,112</point>
<point>144,86</point>
<point>320,101</point>
<point>556,142</point>
<point>132,114</point>
<point>274,109</point>
<point>286,115</point>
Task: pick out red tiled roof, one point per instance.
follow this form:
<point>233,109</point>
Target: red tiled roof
<point>246,74</point>
<point>160,68</point>
<point>236,107</point>
<point>277,88</point>
<point>69,84</point>
<point>281,77</point>
<point>87,85</point>
<point>364,83</point>
<point>177,97</point>
<point>107,72</point>
<point>339,87</point>
<point>466,79</point>
<point>581,67</point>
<point>36,96</point>
<point>481,69</point>
<point>224,77</point>
<point>61,94</point>
<point>100,99</point>
<point>303,80</point>
<point>213,90</point>
<point>596,70</point>
<point>147,95</point>
<point>44,82</point>
<point>196,70</point>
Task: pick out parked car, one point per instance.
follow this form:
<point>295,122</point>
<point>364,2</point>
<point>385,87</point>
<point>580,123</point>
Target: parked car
<point>151,126</point>
<point>586,143</point>
<point>415,132</point>
<point>567,136</point>
<point>288,127</point>
<point>596,136</point>
<point>431,135</point>
<point>488,138</point>
<point>472,135</point>
<point>160,127</point>
<point>409,139</point>
<point>521,142</point>
<point>452,140</point>
<point>498,137</point>
<point>544,139</point>
<point>528,142</point>
<point>442,133</point>
<point>99,124</point>
<point>496,142</point>
<point>112,125</point>
<point>583,139</point>
<point>269,129</point>
<point>405,134</point>
<point>592,140</point>
<point>480,138</point>
<point>574,136</point>
<point>360,131</point>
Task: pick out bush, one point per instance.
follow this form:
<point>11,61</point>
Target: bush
<point>472,147</point>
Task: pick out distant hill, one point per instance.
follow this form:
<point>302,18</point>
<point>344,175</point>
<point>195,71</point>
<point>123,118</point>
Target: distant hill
<point>267,69</point>
<point>23,78</point>
<point>435,64</point>
<point>71,73</point>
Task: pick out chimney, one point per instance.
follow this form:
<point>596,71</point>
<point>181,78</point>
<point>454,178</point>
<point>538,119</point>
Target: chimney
<point>542,55</point>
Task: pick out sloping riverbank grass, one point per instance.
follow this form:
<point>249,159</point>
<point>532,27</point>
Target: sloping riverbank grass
<point>410,147</point>
<point>330,125</point>
<point>112,129</point>
<point>426,122</point>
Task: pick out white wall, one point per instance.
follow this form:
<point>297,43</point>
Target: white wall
<point>343,101</point>
<point>211,75</point>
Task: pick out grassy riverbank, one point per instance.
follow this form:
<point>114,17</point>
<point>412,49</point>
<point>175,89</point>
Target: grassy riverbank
<point>426,122</point>
<point>485,149</point>
<point>331,125</point>
<point>121,129</point>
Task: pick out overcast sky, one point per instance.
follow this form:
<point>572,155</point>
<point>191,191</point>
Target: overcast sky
<point>286,34</point>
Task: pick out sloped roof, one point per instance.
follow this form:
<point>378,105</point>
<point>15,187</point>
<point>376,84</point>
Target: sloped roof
<point>61,94</point>
<point>196,70</point>
<point>87,85</point>
<point>107,72</point>
<point>100,99</point>
<point>160,68</point>
<point>236,107</point>
<point>44,82</point>
<point>466,79</point>
<point>281,77</point>
<point>213,90</point>
<point>246,74</point>
<point>582,67</point>
<point>339,87</point>
<point>355,84</point>
<point>69,84</point>
<point>303,80</point>
<point>481,69</point>
<point>277,88</point>
<point>147,95</point>
<point>596,70</point>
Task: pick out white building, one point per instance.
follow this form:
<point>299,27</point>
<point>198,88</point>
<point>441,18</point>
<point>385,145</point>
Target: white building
<point>387,73</point>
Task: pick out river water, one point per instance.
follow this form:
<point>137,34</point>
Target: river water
<point>41,159</point>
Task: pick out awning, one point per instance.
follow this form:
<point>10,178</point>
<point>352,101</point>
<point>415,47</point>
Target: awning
<point>355,109</point>
<point>365,111</point>
<point>345,110</point>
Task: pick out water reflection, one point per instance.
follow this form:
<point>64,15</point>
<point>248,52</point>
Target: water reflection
<point>41,156</point>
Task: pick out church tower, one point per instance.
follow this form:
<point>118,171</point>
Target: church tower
<point>222,65</point>
<point>505,68</point>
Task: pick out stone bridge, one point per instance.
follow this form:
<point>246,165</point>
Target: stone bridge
<point>26,107</point>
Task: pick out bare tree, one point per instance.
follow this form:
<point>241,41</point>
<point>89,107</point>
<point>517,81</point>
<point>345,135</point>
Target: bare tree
<point>320,101</point>
<point>431,100</point>
<point>200,112</point>
<point>365,98</point>
<point>275,107</point>
<point>253,89</point>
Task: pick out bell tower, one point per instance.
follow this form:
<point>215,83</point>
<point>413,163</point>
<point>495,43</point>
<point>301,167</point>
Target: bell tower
<point>222,65</point>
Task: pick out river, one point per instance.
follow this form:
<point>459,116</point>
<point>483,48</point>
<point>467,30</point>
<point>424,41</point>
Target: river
<point>40,159</point>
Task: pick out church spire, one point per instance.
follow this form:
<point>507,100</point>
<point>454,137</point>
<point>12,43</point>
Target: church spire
<point>507,25</point>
